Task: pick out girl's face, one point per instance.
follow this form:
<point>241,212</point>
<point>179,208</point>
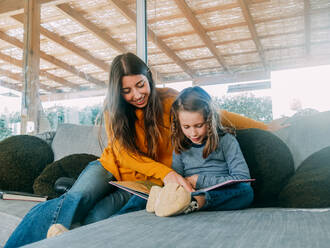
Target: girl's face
<point>193,126</point>
<point>136,90</point>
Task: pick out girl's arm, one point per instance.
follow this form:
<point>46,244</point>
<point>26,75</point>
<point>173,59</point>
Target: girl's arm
<point>237,167</point>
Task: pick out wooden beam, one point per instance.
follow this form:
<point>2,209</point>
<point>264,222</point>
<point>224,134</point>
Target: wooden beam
<point>307,21</point>
<point>18,77</point>
<point>31,60</point>
<point>307,62</point>
<point>10,86</point>
<point>234,54</point>
<point>15,76</point>
<point>19,63</point>
<point>198,11</point>
<point>51,59</point>
<point>70,46</point>
<point>59,80</point>
<point>99,33</point>
<point>91,27</point>
<point>207,29</point>
<point>240,24</point>
<point>199,29</point>
<point>12,7</point>
<point>125,11</point>
<point>248,18</point>
<point>10,60</point>
<point>73,95</point>
<point>54,61</point>
<point>238,40</point>
<point>232,78</point>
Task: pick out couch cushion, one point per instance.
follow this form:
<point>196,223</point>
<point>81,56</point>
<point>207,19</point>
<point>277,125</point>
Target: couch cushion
<point>257,228</point>
<point>22,158</point>
<point>310,186</point>
<point>11,213</point>
<point>306,135</point>
<point>72,138</point>
<point>69,166</point>
<point>270,163</point>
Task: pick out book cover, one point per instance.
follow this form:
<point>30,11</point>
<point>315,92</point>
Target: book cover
<point>142,188</point>
<point>139,188</point>
<point>22,196</point>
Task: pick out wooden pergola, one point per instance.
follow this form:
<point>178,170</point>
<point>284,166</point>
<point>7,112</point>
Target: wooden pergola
<point>58,49</point>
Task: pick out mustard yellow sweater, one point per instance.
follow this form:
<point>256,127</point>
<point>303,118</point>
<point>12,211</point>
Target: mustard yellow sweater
<point>126,166</point>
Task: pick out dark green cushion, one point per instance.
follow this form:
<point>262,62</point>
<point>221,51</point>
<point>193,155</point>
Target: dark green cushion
<point>22,158</point>
<point>310,186</point>
<point>69,166</point>
<point>270,163</point>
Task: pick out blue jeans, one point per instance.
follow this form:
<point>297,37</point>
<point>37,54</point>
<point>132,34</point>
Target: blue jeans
<point>232,197</point>
<point>135,203</point>
<point>90,199</point>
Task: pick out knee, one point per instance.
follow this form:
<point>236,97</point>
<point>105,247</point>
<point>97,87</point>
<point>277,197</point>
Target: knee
<point>247,196</point>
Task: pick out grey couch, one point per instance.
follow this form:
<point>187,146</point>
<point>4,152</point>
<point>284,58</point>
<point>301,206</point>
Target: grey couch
<point>254,227</point>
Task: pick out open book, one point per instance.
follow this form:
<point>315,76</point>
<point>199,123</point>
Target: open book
<point>142,188</point>
<point>22,196</point>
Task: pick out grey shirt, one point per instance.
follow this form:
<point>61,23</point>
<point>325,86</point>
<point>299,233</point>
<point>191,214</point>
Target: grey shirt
<point>225,163</point>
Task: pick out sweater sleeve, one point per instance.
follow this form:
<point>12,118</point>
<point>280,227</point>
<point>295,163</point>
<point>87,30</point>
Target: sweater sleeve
<point>237,167</point>
<point>177,164</point>
<point>139,163</point>
<point>229,119</point>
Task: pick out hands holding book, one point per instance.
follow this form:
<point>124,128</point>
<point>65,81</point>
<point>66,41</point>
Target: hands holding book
<point>192,180</point>
<point>174,177</point>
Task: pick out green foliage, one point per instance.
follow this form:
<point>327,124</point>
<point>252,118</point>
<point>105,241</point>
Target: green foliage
<point>89,114</point>
<point>15,117</point>
<point>5,131</point>
<point>55,116</point>
<point>257,108</point>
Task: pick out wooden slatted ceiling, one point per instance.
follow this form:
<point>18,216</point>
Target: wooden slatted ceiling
<point>189,39</point>
<point>151,36</point>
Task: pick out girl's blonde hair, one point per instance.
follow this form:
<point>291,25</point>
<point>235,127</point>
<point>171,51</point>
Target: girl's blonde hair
<point>195,99</point>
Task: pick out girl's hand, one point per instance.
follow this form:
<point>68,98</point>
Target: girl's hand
<point>192,180</point>
<point>174,177</point>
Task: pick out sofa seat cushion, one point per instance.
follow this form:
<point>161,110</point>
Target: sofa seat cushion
<point>270,163</point>
<point>69,166</point>
<point>310,186</point>
<point>11,213</point>
<point>306,135</point>
<point>22,158</point>
<point>257,228</point>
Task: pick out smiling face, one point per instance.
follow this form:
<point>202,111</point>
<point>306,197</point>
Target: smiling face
<point>193,126</point>
<point>136,90</point>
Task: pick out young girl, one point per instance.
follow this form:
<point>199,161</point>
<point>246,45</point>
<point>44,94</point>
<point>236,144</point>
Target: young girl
<point>205,154</point>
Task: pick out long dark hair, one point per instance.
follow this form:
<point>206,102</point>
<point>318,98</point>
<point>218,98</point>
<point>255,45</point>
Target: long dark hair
<point>122,114</point>
<point>195,99</point>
